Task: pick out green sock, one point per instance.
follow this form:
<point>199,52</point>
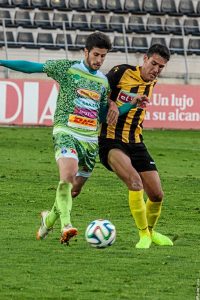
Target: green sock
<point>64,202</point>
<point>52,216</point>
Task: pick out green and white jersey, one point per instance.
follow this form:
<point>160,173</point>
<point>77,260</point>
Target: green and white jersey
<point>81,95</point>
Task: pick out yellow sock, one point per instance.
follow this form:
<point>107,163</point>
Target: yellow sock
<point>138,210</point>
<point>153,210</point>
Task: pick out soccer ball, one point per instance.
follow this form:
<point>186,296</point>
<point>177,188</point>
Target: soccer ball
<point>100,233</point>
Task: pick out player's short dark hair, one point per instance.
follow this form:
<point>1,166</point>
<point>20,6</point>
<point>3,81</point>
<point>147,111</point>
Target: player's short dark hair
<point>159,49</point>
<point>98,40</point>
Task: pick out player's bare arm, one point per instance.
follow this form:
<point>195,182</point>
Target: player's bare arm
<point>141,101</point>
<point>113,113</point>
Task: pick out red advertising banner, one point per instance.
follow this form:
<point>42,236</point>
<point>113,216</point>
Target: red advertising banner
<point>33,102</point>
<point>174,106</point>
<point>27,102</point>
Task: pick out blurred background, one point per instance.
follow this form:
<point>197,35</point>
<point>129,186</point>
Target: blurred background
<point>38,30</point>
<point>41,29</point>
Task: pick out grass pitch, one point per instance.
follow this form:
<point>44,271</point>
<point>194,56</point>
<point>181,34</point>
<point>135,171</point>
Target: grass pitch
<point>31,269</point>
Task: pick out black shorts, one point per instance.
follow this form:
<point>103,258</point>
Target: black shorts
<point>138,153</point>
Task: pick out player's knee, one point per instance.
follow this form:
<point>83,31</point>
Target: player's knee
<point>158,196</point>
<point>75,193</point>
<point>68,178</point>
<point>134,184</point>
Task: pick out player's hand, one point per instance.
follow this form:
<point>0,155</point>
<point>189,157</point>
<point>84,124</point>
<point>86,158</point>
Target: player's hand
<point>113,113</point>
<point>141,101</point>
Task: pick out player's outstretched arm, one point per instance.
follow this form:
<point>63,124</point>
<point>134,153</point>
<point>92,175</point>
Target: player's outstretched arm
<point>139,101</point>
<point>121,110</point>
<point>22,66</point>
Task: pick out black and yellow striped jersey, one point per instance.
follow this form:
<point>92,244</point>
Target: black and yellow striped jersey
<point>125,83</point>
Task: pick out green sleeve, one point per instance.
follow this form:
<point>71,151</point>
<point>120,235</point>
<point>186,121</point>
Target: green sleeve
<point>125,108</point>
<point>122,110</point>
<point>22,66</point>
<point>57,69</point>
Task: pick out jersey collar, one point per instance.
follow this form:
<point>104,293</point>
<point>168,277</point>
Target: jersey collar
<point>88,68</point>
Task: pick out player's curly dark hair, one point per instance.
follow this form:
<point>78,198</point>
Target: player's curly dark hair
<point>159,49</point>
<point>98,40</point>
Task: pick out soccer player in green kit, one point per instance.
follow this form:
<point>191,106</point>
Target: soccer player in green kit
<point>82,99</point>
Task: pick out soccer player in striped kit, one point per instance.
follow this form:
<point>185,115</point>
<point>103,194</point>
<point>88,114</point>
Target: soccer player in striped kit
<point>121,146</point>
